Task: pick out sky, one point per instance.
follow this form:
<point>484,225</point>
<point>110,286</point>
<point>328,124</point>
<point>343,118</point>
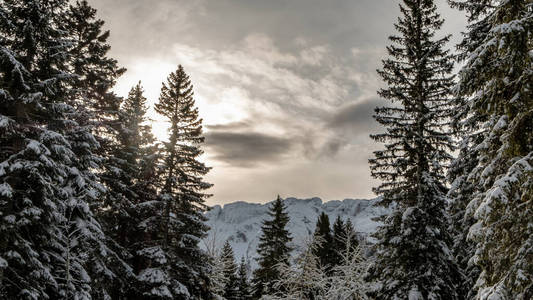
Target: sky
<point>286,88</point>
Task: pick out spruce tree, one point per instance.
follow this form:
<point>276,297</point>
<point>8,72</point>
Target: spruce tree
<point>217,281</point>
<point>131,183</point>
<point>339,241</point>
<point>243,288</point>
<point>413,258</point>
<point>50,242</point>
<point>273,249</point>
<point>462,187</point>
<point>179,267</point>
<point>324,250</point>
<point>230,273</point>
<point>96,71</point>
<point>496,81</point>
<point>98,109</point>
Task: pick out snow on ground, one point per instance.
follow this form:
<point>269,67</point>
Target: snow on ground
<point>240,222</point>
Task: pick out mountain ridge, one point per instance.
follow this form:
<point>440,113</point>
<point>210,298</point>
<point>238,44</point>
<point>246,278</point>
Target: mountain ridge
<point>240,222</point>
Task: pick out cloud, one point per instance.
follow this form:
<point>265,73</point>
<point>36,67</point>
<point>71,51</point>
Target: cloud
<point>245,149</point>
<point>356,117</point>
<point>286,88</point>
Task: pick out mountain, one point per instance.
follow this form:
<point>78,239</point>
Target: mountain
<point>240,222</point>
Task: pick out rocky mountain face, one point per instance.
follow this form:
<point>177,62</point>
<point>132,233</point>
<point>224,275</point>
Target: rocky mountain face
<point>240,222</point>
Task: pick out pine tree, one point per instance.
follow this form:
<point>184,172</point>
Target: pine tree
<point>496,81</point>
<point>217,280</point>
<point>273,249</point>
<point>96,72</point>
<point>339,241</point>
<point>243,289</point>
<point>49,239</point>
<point>461,189</point>
<point>230,273</point>
<point>351,235</point>
<point>324,250</point>
<point>131,182</point>
<point>180,268</point>
<point>413,259</point>
<point>98,109</point>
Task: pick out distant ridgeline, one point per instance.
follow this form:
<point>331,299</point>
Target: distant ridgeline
<point>240,222</point>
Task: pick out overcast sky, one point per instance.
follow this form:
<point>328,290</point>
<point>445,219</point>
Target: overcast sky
<point>286,88</point>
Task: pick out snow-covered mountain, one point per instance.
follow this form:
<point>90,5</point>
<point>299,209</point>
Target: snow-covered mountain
<point>240,222</point>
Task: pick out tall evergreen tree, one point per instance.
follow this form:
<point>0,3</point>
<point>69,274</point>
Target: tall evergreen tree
<point>230,273</point>
<point>50,242</point>
<point>496,81</point>
<point>324,250</point>
<point>178,267</point>
<point>339,241</point>
<point>273,249</point>
<point>462,187</point>
<point>243,289</point>
<point>97,108</point>
<point>96,72</point>
<point>413,259</point>
<point>131,182</point>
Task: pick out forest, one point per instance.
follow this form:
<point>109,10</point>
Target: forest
<point>93,206</point>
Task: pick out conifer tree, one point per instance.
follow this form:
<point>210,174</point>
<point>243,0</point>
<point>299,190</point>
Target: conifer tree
<point>49,239</point>
<point>96,71</point>
<point>97,108</point>
<point>413,259</point>
<point>339,241</point>
<point>351,235</point>
<point>461,189</point>
<point>217,281</point>
<point>230,273</point>
<point>175,265</point>
<point>496,81</point>
<point>131,183</point>
<point>324,250</point>
<point>243,289</point>
<point>273,249</point>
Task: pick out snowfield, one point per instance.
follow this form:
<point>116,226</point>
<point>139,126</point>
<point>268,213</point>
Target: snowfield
<point>240,222</point>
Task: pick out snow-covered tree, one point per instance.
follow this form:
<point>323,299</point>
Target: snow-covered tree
<point>97,109</point>
<point>181,268</point>
<point>339,234</point>
<point>306,278</point>
<point>47,161</point>
<point>229,272</point>
<point>324,250</point>
<point>131,180</point>
<point>244,291</point>
<point>347,281</point>
<point>273,249</point>
<point>217,280</point>
<point>413,257</point>
<point>496,80</point>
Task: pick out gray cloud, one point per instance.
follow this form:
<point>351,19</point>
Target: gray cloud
<point>356,117</point>
<point>245,149</point>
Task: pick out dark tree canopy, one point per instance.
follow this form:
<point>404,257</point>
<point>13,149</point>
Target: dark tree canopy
<point>413,256</point>
<point>273,249</point>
